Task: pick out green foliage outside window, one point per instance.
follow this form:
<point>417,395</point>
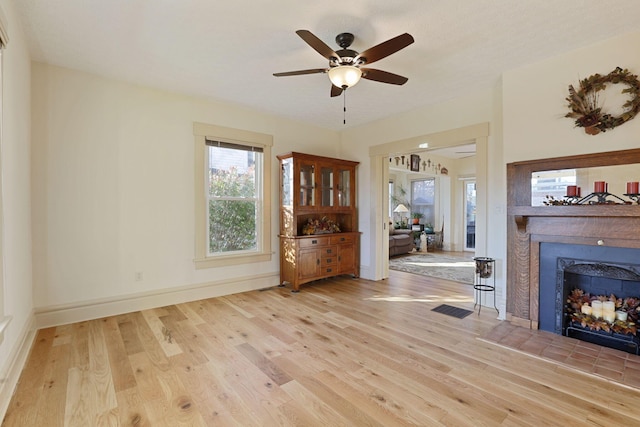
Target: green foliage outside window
<point>233,213</point>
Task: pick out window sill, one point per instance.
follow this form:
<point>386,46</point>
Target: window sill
<point>226,260</point>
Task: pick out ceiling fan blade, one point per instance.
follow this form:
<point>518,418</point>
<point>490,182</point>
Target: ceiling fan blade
<point>317,44</point>
<point>385,49</point>
<point>335,90</point>
<point>383,76</point>
<point>300,72</point>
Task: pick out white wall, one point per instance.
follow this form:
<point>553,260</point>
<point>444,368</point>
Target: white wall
<point>113,163</point>
<point>534,103</point>
<point>16,205</point>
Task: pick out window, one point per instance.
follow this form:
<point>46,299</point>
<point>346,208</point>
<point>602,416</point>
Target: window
<point>423,196</point>
<point>233,209</point>
<point>234,197</point>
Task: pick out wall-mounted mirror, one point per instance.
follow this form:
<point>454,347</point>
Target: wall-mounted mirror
<point>557,184</point>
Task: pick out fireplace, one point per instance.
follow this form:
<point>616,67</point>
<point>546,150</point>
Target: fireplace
<point>601,229</point>
<point>595,271</point>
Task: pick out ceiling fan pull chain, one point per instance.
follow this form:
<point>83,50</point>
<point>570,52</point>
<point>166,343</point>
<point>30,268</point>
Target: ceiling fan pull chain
<point>344,107</point>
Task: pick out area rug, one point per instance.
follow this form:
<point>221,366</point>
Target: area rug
<point>436,265</point>
<point>449,310</point>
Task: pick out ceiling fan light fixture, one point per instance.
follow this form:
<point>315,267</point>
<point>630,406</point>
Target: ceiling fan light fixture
<point>344,76</point>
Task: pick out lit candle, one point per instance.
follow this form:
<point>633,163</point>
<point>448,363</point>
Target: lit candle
<point>633,187</point>
<point>596,309</point>
<point>586,308</point>
<point>609,317</point>
<point>599,187</point>
<point>572,190</point>
<point>608,307</point>
<point>621,315</point>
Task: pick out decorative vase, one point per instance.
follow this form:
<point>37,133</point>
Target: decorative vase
<point>591,130</point>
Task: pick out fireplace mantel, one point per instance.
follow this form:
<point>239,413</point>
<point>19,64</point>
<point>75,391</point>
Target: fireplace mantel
<point>528,226</point>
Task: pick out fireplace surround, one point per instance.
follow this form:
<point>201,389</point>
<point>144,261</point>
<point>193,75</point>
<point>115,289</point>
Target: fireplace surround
<point>529,227</point>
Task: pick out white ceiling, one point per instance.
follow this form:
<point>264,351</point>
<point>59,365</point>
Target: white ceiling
<point>228,50</point>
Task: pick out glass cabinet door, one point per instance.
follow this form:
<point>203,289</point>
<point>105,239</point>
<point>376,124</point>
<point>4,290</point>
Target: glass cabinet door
<point>307,179</point>
<point>344,188</point>
<point>326,186</point>
<point>287,182</point>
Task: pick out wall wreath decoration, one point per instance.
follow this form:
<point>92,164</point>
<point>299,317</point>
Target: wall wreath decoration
<point>585,105</point>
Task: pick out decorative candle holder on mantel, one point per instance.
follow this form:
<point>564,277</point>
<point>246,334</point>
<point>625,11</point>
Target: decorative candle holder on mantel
<point>635,197</point>
<point>600,195</point>
<point>601,199</point>
<point>633,191</point>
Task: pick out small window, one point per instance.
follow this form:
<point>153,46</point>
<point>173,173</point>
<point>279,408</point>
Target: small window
<point>233,209</point>
<point>423,196</point>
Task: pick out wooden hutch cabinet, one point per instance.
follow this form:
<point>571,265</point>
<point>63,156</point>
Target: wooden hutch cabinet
<point>321,190</point>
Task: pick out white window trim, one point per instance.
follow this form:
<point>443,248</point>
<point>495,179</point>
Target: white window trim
<point>202,132</point>
<point>4,39</point>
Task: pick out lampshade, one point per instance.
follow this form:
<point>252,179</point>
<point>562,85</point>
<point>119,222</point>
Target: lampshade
<point>344,76</point>
<point>401,208</point>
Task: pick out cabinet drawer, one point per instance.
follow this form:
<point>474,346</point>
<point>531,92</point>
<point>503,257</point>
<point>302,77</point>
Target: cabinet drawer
<point>336,240</point>
<point>328,261</point>
<point>329,251</point>
<point>313,242</point>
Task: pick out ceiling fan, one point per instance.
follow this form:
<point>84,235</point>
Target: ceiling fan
<point>346,65</point>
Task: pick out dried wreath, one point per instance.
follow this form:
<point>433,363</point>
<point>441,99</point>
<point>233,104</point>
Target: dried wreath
<point>584,102</point>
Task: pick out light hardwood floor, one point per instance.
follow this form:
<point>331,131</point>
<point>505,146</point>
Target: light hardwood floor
<point>341,352</point>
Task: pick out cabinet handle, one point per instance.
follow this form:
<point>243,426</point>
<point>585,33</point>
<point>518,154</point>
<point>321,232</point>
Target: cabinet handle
<point>342,239</point>
<point>339,259</point>
<point>317,261</point>
<point>328,251</point>
<point>328,270</point>
<point>314,242</point>
<point>329,260</point>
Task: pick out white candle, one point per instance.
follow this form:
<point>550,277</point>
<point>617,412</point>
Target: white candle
<point>609,316</point>
<point>608,306</point>
<point>621,315</point>
<point>596,309</point>
<point>586,308</point>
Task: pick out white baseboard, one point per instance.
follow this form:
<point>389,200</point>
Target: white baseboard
<point>10,374</point>
<point>95,309</point>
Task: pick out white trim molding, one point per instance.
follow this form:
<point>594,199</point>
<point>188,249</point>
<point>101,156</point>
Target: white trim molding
<point>10,374</point>
<point>4,322</point>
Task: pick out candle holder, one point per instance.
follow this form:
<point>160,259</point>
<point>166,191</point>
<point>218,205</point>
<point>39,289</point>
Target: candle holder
<point>635,197</point>
<point>572,200</point>
<point>601,199</point>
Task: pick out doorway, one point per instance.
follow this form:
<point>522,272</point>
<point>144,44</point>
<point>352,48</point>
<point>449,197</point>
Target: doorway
<point>379,190</point>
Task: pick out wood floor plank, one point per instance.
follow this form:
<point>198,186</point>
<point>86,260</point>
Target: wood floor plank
<point>131,409</point>
<point>342,352</point>
<point>120,368</point>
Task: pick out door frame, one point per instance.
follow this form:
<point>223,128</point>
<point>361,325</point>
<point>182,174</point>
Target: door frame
<point>379,154</point>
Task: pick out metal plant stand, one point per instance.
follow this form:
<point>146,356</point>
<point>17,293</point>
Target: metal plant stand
<point>484,271</point>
